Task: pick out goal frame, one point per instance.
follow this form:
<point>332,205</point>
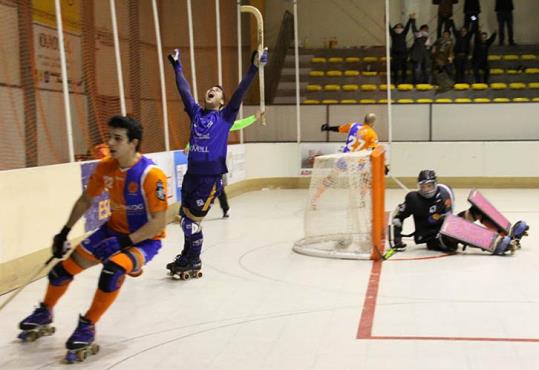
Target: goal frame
<point>377,232</point>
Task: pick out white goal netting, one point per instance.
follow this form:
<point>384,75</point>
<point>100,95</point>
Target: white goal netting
<point>338,213</point>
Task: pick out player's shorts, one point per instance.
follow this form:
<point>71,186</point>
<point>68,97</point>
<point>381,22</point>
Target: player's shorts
<point>139,254</point>
<point>198,194</point>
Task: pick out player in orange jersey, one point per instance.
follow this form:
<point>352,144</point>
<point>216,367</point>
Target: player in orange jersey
<point>128,240</point>
<point>360,136</point>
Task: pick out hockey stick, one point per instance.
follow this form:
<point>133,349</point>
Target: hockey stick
<point>402,186</point>
<point>28,281</point>
<point>260,35</point>
<point>390,236</point>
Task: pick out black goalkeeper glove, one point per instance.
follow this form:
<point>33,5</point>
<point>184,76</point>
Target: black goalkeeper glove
<point>327,127</point>
<point>59,245</point>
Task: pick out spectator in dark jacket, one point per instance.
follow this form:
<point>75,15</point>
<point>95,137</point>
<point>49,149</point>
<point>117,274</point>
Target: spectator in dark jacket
<point>480,56</point>
<point>399,51</point>
<point>472,8</point>
<point>445,13</point>
<point>504,13</point>
<point>420,54</point>
<point>461,50</point>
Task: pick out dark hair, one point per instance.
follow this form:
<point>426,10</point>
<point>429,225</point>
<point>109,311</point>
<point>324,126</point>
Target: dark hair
<point>398,25</point>
<point>133,127</point>
<point>423,26</point>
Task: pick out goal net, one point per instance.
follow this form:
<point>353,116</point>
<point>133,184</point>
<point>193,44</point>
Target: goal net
<point>344,214</point>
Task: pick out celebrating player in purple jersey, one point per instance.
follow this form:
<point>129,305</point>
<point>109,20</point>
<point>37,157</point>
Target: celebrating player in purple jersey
<point>206,161</point>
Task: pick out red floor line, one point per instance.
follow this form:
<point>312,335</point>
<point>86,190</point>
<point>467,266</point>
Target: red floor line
<point>369,307</point>
<point>364,330</point>
<point>471,339</point>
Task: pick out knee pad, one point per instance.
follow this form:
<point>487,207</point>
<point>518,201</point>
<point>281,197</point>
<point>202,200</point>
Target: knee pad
<point>190,228</point>
<point>111,278</point>
<point>59,275</point>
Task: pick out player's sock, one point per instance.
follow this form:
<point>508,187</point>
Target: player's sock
<point>100,304</point>
<point>54,293</point>
<point>61,275</point>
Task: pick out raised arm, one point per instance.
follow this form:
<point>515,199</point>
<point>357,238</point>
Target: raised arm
<point>182,84</point>
<point>408,24</point>
<point>231,109</point>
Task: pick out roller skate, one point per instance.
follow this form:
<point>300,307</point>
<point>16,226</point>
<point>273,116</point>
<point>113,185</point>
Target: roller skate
<point>81,343</point>
<point>36,325</point>
<point>505,244</point>
<point>518,231</point>
<point>183,269</point>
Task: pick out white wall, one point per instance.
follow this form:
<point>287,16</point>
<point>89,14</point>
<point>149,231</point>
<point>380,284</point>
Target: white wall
<point>417,122</point>
<point>35,205</point>
<point>352,22</point>
<point>466,159</point>
<point>272,160</point>
<point>449,159</point>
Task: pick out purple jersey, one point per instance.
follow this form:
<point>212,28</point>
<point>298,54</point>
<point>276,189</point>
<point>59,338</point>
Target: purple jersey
<point>210,128</point>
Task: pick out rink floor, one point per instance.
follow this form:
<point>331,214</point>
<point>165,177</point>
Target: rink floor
<point>262,306</point>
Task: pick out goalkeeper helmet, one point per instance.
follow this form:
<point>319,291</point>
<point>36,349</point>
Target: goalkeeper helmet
<point>427,183</point>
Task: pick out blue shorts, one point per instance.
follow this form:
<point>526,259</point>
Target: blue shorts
<point>198,194</point>
<point>139,254</point>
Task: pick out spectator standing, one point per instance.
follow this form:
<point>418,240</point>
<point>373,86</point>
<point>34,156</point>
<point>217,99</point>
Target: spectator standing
<point>445,14</point>
<point>504,12</point>
<point>420,54</point>
<point>461,50</point>
<point>480,56</point>
<point>399,50</point>
<point>472,8</point>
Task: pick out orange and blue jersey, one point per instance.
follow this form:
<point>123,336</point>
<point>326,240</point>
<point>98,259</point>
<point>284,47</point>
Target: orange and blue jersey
<point>134,193</point>
<point>359,137</point>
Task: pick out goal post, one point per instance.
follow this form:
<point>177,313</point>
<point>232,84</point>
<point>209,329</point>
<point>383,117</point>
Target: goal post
<point>378,202</point>
<point>344,216</point>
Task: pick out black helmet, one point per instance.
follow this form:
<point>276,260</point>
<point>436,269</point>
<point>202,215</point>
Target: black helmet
<point>424,177</point>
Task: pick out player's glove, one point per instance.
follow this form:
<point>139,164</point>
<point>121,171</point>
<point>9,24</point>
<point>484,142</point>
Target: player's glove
<point>261,60</point>
<point>107,247</point>
<point>327,127</point>
<point>59,243</point>
<point>174,59</point>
